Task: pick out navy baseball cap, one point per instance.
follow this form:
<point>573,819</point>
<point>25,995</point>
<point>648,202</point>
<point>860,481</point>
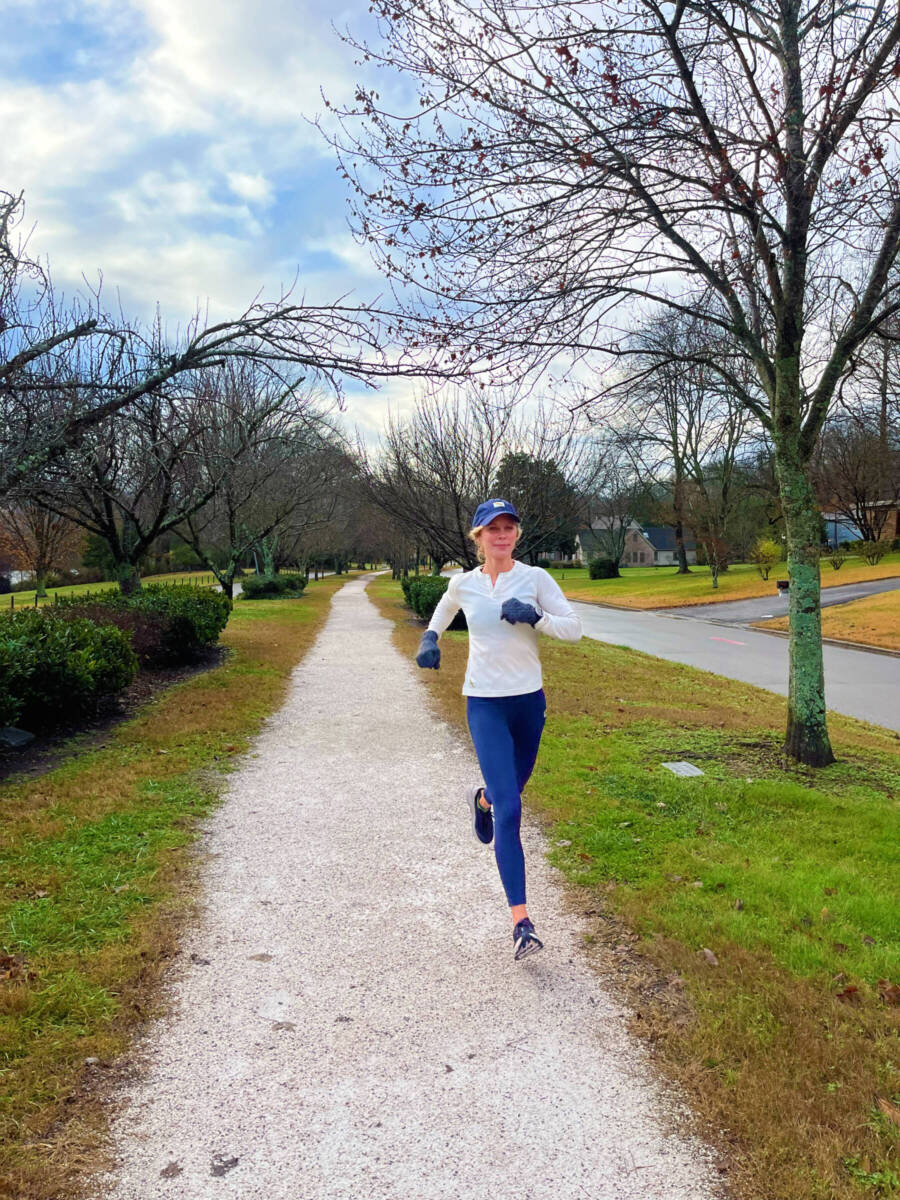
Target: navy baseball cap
<point>486,512</point>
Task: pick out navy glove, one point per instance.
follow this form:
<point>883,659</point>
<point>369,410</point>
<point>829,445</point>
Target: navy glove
<point>517,610</point>
<point>428,654</point>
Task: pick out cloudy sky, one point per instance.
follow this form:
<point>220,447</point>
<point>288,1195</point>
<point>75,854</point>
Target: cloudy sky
<point>167,145</point>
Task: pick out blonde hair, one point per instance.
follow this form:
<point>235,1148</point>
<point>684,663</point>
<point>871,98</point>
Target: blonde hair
<point>475,536</point>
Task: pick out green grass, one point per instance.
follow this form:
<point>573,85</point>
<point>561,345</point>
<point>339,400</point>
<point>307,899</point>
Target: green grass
<point>96,879</point>
<point>17,600</point>
<point>789,876</point>
<point>661,587</point>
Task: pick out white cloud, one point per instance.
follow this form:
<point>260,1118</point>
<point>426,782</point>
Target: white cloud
<point>254,188</point>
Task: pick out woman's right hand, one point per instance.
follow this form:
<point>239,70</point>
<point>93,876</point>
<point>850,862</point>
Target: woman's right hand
<point>428,655</point>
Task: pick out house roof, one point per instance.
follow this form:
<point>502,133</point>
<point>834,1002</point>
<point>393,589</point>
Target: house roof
<point>662,537</point>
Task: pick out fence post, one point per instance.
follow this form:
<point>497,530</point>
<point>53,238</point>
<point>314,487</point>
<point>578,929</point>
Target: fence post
<point>12,601</point>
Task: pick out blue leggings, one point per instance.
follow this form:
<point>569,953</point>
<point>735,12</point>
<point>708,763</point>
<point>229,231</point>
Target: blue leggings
<point>506,732</point>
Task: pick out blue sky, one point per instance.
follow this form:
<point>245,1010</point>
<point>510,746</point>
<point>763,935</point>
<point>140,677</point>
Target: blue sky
<point>167,144</point>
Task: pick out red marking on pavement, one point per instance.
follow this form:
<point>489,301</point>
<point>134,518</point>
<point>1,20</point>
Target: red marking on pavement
<point>728,640</point>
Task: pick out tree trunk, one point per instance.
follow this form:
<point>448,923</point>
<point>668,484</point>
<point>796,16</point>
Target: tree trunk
<point>40,583</point>
<point>806,738</point>
<point>129,578</point>
<point>678,506</point>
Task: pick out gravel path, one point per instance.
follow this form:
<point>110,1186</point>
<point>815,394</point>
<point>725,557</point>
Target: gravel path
<point>349,1022</point>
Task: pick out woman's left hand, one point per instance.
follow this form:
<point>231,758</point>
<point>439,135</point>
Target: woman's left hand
<point>516,611</point>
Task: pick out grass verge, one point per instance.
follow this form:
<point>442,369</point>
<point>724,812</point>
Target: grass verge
<point>96,875</point>
<point>661,587</point>
<point>16,600</point>
<point>786,1036</point>
<point>872,621</point>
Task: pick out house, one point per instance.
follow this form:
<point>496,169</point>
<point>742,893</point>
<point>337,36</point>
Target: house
<point>647,546</point>
<point>662,539</point>
<point>594,542</point>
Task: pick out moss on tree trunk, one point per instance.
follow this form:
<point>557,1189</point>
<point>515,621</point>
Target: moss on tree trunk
<point>806,738</point>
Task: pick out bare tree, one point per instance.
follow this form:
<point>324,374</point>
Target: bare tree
<point>67,367</point>
<point>434,469</point>
<point>38,541</point>
<point>857,471</point>
<point>567,160</point>
<point>269,454</point>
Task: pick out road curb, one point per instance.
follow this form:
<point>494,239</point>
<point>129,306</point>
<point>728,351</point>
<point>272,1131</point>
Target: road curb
<point>865,646</point>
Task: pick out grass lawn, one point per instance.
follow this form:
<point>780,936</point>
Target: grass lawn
<point>661,587</point>
<point>873,621</point>
<point>96,876</point>
<point>786,1036</point>
<point>17,600</point>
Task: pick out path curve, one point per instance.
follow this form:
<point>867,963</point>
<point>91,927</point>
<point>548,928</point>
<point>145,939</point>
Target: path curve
<point>349,1021</point>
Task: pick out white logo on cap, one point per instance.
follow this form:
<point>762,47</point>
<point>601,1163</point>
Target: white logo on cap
<point>499,504</point>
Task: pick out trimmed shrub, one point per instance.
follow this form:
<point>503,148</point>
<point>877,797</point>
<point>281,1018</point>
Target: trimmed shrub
<point>423,593</point>
<point>603,568</point>
<point>895,544</point>
<point>543,562</point>
<point>150,633</point>
<point>265,587</point>
<point>837,558</point>
<point>54,667</point>
<point>178,621</point>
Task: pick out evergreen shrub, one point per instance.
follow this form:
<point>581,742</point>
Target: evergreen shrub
<point>603,568</point>
<point>54,668</point>
<point>265,587</point>
<point>171,624</point>
<point>422,594</point>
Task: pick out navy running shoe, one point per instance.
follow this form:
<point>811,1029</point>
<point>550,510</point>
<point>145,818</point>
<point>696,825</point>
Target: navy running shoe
<point>525,940</point>
<point>482,820</point>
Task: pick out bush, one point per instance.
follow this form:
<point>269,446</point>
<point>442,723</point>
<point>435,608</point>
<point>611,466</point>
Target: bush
<point>422,594</point>
<point>54,667</point>
<point>265,587</point>
<point>765,555</point>
<point>603,568</point>
<point>172,623</point>
<point>874,552</point>
<point>544,562</point>
<point>149,633</point>
<point>895,544</point>
<point>837,558</point>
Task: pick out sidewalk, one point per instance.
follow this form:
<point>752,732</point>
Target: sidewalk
<point>349,1022</point>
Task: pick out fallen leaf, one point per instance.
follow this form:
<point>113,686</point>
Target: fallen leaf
<point>222,1165</point>
<point>260,957</point>
<point>198,961</point>
<point>839,947</point>
<point>738,906</point>
<point>284,1025</point>
<point>890,1110</point>
<point>710,957</point>
<point>889,992</point>
<point>850,994</point>
<point>825,915</point>
<point>868,941</point>
<point>171,1171</point>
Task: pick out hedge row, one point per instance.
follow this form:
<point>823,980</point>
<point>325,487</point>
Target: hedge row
<point>263,587</point>
<point>166,625</point>
<point>422,593</point>
<point>54,667</point>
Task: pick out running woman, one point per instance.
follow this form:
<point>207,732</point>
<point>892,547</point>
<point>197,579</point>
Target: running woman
<point>506,604</point>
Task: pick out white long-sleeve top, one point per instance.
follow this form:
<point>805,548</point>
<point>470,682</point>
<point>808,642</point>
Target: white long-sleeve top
<point>503,658</point>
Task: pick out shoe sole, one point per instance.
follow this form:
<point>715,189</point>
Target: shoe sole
<point>471,794</point>
<point>525,948</point>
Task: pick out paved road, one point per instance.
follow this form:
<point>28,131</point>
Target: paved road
<point>740,612</point>
<point>347,1021</point>
<point>857,682</point>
